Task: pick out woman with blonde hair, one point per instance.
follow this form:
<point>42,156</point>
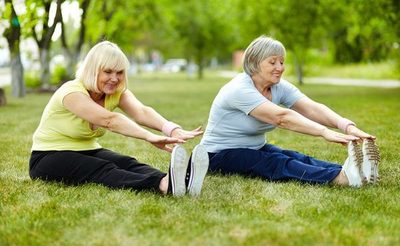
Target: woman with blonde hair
<point>65,146</point>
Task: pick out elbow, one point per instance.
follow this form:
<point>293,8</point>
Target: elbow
<point>110,121</point>
<point>282,119</point>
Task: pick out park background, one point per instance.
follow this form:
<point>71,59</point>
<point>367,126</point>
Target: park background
<point>181,53</point>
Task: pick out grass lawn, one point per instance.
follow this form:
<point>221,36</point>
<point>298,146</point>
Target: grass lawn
<point>231,210</point>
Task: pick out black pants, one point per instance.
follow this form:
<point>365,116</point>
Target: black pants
<point>99,166</point>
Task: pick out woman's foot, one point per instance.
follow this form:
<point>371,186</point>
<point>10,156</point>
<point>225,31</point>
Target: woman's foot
<point>197,170</point>
<point>371,159</point>
<point>353,164</point>
<point>177,171</point>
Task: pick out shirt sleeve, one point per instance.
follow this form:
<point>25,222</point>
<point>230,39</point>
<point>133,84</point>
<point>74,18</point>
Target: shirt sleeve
<point>289,94</point>
<point>67,88</point>
<point>244,98</point>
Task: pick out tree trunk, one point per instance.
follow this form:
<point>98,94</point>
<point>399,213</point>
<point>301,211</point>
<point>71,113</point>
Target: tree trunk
<point>17,76</point>
<point>3,100</point>
<point>72,55</point>
<point>200,71</point>
<point>200,62</point>
<point>69,62</point>
<point>299,69</point>
<point>44,43</point>
<point>13,35</point>
<point>45,68</point>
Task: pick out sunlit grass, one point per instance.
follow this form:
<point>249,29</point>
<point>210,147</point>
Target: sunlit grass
<point>231,210</point>
<point>383,70</point>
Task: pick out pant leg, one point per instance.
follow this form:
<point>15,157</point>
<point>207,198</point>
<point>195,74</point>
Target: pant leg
<point>77,167</point>
<point>125,162</point>
<point>301,157</point>
<point>269,163</point>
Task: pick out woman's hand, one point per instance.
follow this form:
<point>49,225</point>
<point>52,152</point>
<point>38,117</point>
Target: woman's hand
<point>185,135</point>
<point>353,130</point>
<point>337,137</point>
<point>162,142</point>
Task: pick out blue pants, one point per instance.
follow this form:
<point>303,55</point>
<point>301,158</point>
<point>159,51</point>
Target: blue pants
<point>273,163</point>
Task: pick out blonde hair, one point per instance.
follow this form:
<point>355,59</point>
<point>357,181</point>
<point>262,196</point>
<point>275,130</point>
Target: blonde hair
<point>260,49</point>
<point>102,56</point>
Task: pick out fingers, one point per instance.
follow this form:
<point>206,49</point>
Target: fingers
<point>183,134</point>
<point>197,133</point>
<point>359,133</point>
<point>191,135</point>
<point>197,129</point>
<point>351,137</point>
<point>164,147</point>
<point>170,140</point>
<point>340,138</point>
<point>167,148</point>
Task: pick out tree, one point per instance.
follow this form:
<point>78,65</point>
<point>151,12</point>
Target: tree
<point>359,30</point>
<point>13,35</point>
<point>294,23</point>
<point>394,20</point>
<point>204,28</point>
<point>42,33</point>
<point>72,52</point>
<point>130,24</point>
<point>298,32</point>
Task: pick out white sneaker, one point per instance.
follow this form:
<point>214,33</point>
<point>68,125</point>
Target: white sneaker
<point>177,171</point>
<point>371,159</point>
<point>197,170</point>
<point>352,165</point>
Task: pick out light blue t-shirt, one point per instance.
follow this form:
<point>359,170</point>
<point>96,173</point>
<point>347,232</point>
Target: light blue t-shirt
<point>229,124</point>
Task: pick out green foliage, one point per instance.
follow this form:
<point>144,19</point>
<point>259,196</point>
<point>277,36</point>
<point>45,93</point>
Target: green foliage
<point>204,28</point>
<point>126,22</point>
<point>32,79</point>
<point>59,75</point>
<point>232,210</point>
<point>359,31</point>
<point>6,11</point>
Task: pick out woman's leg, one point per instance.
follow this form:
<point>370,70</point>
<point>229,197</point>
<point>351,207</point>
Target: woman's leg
<point>125,162</point>
<point>300,157</point>
<point>272,164</point>
<point>341,179</point>
<point>77,167</point>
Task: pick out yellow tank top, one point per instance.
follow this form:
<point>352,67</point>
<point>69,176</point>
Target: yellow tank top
<point>60,129</point>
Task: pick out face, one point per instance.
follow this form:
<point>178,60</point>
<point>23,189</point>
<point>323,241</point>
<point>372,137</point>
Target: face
<point>108,80</point>
<point>271,69</point>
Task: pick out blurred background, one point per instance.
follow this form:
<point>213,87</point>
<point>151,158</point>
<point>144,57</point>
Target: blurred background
<point>43,41</point>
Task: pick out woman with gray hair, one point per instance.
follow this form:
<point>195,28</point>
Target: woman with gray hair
<point>65,146</point>
<point>259,100</point>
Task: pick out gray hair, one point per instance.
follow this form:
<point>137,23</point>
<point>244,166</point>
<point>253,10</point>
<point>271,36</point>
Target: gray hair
<point>104,55</point>
<point>260,49</point>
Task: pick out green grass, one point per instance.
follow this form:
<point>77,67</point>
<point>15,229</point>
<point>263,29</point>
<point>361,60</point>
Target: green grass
<point>231,210</point>
<point>382,70</point>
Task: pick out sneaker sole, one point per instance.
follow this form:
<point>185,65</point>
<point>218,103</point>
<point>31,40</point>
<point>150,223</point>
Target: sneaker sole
<point>371,151</point>
<point>353,166</point>
<point>179,161</point>
<point>198,170</point>
<point>359,160</point>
